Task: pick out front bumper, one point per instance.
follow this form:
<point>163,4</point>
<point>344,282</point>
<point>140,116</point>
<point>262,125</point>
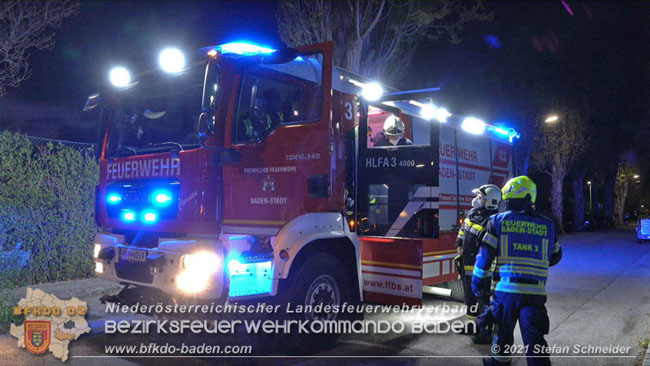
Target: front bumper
<point>162,267</point>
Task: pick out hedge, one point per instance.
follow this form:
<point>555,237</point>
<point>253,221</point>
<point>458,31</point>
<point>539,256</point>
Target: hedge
<point>46,211</point>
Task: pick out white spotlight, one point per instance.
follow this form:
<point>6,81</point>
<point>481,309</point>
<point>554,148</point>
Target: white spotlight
<point>372,91</point>
<point>473,125</point>
<point>119,76</point>
<point>441,115</point>
<point>171,60</point>
<point>428,111</point>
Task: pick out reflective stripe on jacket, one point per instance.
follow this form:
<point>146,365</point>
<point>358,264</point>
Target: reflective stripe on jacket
<point>471,234</point>
<point>521,244</point>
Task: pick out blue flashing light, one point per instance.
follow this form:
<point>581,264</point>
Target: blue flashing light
<point>128,216</point>
<point>501,131</point>
<point>243,49</point>
<point>513,134</point>
<point>149,217</point>
<point>113,198</point>
<point>162,198</point>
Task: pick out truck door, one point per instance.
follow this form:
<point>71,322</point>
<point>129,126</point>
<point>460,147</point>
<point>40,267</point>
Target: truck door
<point>397,204</point>
<point>397,190</point>
<point>280,127</point>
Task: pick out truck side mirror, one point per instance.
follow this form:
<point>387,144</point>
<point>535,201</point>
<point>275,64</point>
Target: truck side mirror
<point>206,125</point>
<point>92,102</point>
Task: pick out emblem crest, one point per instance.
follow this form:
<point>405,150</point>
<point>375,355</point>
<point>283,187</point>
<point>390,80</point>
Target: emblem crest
<point>37,335</point>
<point>268,184</point>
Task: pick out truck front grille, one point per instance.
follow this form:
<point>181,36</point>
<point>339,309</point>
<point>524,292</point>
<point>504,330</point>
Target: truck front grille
<point>131,271</point>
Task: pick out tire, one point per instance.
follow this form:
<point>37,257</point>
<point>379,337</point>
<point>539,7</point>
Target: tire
<point>457,291</point>
<point>319,279</point>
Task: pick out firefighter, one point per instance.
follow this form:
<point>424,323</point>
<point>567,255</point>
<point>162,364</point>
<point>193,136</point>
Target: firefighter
<point>272,108</point>
<point>393,133</point>
<point>264,119</point>
<point>524,244</point>
<point>485,204</point>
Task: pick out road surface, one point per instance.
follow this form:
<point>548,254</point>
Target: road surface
<point>599,295</point>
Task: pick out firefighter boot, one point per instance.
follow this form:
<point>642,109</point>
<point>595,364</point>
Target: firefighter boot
<point>482,337</point>
<point>483,324</point>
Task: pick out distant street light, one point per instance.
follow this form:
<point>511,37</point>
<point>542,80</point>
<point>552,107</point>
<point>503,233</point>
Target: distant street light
<point>552,119</point>
<point>636,176</point>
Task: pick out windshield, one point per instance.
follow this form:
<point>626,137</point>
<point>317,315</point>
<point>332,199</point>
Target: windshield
<point>279,94</point>
<point>157,116</point>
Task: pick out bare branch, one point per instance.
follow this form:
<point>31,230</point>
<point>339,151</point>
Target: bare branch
<point>26,25</point>
<point>373,24</point>
<point>375,37</point>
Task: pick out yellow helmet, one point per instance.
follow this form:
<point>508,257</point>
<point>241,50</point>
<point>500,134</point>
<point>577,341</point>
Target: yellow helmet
<point>520,187</point>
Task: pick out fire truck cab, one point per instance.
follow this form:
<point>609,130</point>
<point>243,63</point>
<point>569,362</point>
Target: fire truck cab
<point>279,191</point>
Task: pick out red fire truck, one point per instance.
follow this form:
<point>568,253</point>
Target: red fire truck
<point>278,191</point>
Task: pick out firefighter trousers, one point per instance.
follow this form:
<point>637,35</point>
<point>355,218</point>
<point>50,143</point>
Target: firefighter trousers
<point>508,308</point>
<point>474,306</point>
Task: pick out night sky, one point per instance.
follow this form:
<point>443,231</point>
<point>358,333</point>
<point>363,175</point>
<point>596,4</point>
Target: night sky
<point>108,33</point>
<point>598,54</point>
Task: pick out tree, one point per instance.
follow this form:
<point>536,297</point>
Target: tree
<point>375,38</point>
<point>557,147</point>
<point>626,176</point>
<point>26,25</point>
<point>578,182</point>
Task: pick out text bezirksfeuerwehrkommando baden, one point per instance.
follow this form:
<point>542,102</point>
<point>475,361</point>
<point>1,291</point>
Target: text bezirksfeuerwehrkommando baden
<point>264,308</point>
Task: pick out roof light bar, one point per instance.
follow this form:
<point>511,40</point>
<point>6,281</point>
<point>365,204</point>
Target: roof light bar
<point>372,91</point>
<point>473,125</point>
<point>243,49</point>
<point>430,111</point>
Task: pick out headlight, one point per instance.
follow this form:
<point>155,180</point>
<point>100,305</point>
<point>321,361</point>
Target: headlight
<point>96,250</point>
<point>203,262</point>
<point>198,270</point>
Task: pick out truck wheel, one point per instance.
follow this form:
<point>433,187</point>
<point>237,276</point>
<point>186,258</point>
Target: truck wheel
<point>321,279</point>
<point>457,291</point>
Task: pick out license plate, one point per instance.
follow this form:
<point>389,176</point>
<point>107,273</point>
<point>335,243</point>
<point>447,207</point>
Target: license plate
<point>134,255</point>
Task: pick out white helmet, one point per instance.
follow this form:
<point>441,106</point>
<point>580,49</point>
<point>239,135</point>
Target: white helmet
<point>492,195</point>
<point>393,126</point>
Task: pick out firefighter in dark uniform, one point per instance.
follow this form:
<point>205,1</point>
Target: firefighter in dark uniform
<point>524,244</point>
<point>485,204</point>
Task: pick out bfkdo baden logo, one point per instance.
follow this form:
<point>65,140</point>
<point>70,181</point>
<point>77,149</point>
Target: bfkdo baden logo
<point>50,323</point>
<point>37,335</point>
